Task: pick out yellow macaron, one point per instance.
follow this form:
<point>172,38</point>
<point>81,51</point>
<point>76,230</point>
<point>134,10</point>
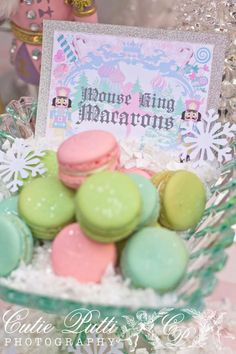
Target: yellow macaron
<point>183,199</point>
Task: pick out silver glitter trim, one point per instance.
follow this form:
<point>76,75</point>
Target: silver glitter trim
<point>219,40</point>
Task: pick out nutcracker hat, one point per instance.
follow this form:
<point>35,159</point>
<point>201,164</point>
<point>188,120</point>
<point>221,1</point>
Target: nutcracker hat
<point>192,105</point>
<point>63,92</point>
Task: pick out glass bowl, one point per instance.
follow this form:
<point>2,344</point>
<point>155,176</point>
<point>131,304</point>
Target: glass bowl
<point>207,243</point>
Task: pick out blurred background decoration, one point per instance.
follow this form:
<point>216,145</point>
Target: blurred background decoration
<point>26,22</point>
<point>218,16</point>
<point>194,15</point>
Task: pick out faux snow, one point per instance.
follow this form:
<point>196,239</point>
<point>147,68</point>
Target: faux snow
<point>113,290</point>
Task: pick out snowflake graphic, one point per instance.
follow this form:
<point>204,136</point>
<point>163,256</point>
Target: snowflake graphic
<point>19,162</point>
<point>208,140</point>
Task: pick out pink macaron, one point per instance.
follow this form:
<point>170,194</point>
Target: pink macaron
<point>75,255</point>
<point>85,154</point>
<point>138,171</point>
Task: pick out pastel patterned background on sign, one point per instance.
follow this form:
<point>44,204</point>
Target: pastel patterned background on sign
<point>176,71</point>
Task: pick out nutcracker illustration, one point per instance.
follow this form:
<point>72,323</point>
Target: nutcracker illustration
<point>189,120</point>
<point>61,114</point>
<point>192,113</point>
<point>27,17</point>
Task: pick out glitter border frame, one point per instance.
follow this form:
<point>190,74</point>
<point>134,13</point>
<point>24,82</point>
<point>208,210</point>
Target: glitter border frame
<point>219,40</point>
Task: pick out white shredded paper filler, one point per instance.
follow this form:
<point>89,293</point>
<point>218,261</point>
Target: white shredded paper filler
<point>39,278</point>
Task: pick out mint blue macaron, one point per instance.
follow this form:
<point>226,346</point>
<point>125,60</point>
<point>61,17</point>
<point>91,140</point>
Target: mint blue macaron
<point>150,200</point>
<point>16,243</point>
<point>9,205</point>
<point>155,258</point>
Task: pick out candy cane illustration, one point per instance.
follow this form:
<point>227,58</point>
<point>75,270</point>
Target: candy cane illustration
<point>189,56</point>
<point>80,47</point>
<point>66,48</point>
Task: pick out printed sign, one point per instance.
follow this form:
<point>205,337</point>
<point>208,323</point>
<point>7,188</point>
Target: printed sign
<point>132,82</point>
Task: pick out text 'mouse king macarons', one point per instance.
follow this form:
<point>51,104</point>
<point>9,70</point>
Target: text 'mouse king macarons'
<point>86,153</point>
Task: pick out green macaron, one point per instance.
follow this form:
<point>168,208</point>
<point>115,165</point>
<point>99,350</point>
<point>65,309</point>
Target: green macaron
<point>183,199</point>
<point>16,243</point>
<point>108,206</point>
<point>155,258</point>
<point>47,206</point>
<point>49,160</point>
<point>50,163</point>
<point>150,200</point>
<point>9,205</point>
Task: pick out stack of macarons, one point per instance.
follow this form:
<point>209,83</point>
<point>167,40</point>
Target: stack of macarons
<point>85,154</point>
<point>96,213</point>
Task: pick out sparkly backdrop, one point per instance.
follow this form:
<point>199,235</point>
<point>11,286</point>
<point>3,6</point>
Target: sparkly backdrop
<point>191,15</point>
<point>148,13</point>
<point>218,16</point>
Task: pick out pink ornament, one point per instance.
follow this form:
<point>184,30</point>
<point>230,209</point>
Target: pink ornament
<point>27,24</point>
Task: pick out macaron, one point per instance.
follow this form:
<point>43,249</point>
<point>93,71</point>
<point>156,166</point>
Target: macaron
<point>50,163</point>
<point>85,154</point>
<point>47,206</point>
<point>75,255</point>
<point>16,243</point>
<point>155,258</point>
<point>137,171</point>
<point>150,200</point>
<point>108,206</point>
<point>183,199</point>
<point>9,205</point>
